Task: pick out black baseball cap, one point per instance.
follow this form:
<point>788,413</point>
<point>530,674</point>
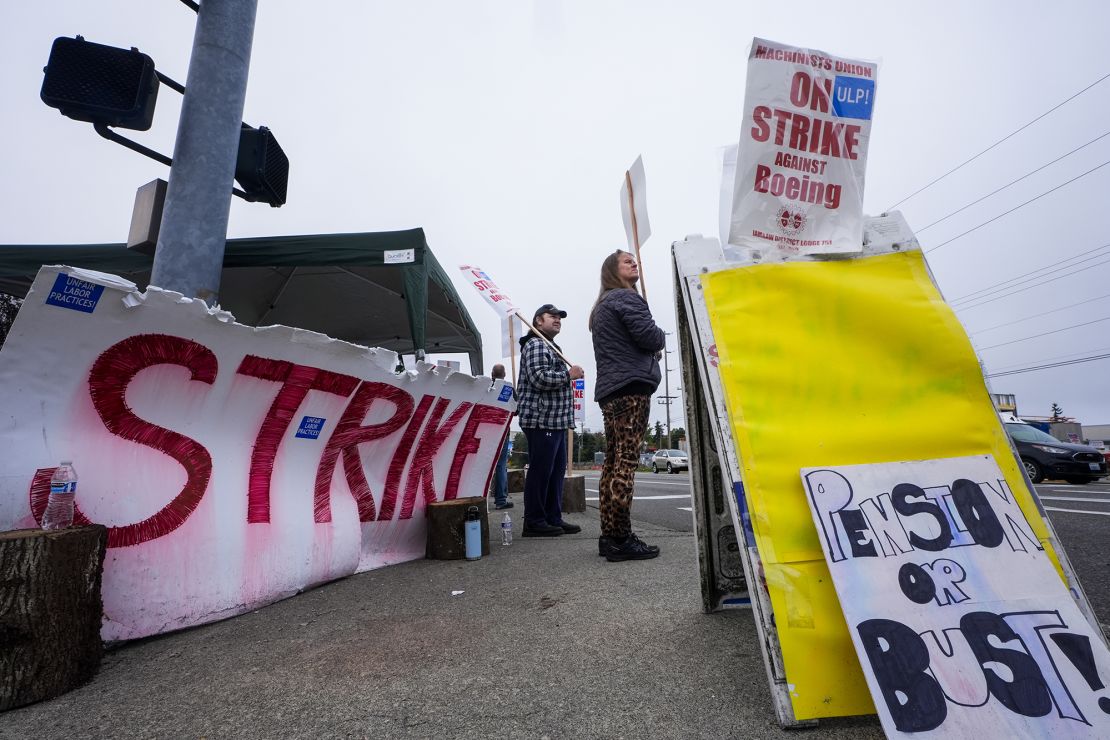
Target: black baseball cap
<point>549,308</point>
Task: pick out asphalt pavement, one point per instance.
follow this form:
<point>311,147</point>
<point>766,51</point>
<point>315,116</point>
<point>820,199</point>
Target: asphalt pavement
<point>540,639</point>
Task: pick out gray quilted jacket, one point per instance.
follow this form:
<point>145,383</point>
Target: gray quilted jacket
<point>626,339</point>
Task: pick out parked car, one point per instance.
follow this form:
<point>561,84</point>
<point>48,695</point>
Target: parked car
<point>1044,456</point>
<point>670,460</point>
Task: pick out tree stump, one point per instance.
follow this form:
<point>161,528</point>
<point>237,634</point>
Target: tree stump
<point>50,611</point>
<point>446,532</point>
<point>574,494</point>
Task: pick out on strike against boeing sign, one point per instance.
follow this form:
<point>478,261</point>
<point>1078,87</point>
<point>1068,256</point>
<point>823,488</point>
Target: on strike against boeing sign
<point>803,151</point>
<point>961,622</point>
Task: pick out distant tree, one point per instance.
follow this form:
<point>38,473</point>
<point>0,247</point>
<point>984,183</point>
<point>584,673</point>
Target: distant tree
<point>1057,412</point>
<point>677,433</point>
<point>9,307</point>
<point>658,435</point>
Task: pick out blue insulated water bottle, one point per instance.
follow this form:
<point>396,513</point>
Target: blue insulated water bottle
<point>473,528</point>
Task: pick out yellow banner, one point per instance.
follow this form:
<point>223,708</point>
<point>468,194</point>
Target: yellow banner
<point>840,363</point>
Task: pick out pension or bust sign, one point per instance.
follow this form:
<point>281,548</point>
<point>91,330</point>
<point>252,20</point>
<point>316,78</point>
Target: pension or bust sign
<point>961,622</point>
<point>803,151</point>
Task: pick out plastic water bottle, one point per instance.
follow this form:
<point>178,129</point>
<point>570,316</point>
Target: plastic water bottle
<point>473,533</point>
<point>63,488</point>
<point>507,530</point>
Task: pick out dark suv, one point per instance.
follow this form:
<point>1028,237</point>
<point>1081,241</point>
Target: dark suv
<point>1044,456</point>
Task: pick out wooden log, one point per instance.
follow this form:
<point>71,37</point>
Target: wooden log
<point>446,533</point>
<point>574,494</point>
<point>50,611</point>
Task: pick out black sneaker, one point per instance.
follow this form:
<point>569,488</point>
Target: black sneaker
<point>506,505</point>
<point>570,528</point>
<point>541,530</point>
<point>631,549</point>
<point>605,543</point>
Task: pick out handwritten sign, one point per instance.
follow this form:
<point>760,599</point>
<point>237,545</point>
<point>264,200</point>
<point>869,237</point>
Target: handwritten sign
<point>962,625</point>
<point>803,151</point>
<point>232,466</point>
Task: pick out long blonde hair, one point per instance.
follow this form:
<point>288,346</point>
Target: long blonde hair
<point>610,280</point>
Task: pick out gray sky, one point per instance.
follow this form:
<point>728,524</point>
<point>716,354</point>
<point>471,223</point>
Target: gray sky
<point>504,129</point>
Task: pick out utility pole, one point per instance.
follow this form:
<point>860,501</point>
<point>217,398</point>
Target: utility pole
<point>191,240</point>
<point>666,398</point>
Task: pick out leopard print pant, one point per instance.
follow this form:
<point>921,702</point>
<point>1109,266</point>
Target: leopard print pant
<point>626,420</point>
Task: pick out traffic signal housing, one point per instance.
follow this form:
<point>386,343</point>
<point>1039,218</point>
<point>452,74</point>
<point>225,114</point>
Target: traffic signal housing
<point>261,167</point>
<point>100,84</point>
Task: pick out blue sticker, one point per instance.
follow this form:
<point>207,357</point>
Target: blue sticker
<point>745,517</point>
<point>853,97</point>
<point>311,426</point>
<point>506,393</point>
<point>69,292</point>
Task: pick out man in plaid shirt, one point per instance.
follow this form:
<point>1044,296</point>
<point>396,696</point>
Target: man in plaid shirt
<point>545,409</point>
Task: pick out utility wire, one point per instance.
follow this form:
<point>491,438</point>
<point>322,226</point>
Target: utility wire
<point>1007,213</point>
<point>1054,357</point>
<point>1028,287</point>
<point>1045,334</point>
<point>992,146</point>
<point>1032,279</point>
<point>1045,367</point>
<point>990,288</point>
<point>1012,182</point>
<point>1038,315</point>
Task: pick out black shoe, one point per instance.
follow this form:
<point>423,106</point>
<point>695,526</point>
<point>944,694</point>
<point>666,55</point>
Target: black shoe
<point>632,548</point>
<point>570,528</point>
<point>605,544</point>
<point>506,505</point>
<point>541,530</point>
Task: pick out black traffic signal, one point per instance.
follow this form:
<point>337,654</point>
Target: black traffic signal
<point>100,84</point>
<point>261,168</point>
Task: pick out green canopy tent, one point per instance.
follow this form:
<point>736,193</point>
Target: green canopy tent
<point>376,289</point>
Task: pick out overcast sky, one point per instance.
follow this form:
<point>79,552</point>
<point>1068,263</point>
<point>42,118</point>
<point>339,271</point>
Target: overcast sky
<point>504,129</point>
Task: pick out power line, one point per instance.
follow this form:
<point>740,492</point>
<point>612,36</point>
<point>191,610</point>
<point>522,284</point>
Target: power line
<point>1045,334</point>
<point>992,146</point>
<point>1038,315</point>
<point>1013,182</point>
<point>1045,367</point>
<point>1022,205</point>
<point>1028,287</point>
<point>990,288</point>
<point>1054,357</point>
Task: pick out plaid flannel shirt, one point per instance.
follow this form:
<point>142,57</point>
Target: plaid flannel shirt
<point>545,398</point>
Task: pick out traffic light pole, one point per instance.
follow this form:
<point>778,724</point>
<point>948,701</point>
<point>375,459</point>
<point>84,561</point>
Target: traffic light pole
<point>189,256</point>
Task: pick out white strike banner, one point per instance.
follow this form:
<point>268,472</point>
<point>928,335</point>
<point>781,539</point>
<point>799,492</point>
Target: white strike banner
<point>803,151</point>
<point>233,466</point>
<point>961,622</point>
<point>580,402</point>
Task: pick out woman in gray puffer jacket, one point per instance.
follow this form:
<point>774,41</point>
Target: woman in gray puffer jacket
<point>627,347</point>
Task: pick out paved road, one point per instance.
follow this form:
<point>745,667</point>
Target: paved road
<point>661,499</point>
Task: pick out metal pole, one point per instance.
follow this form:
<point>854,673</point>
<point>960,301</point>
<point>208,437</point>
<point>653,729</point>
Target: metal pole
<point>190,252</point>
<point>667,390</point>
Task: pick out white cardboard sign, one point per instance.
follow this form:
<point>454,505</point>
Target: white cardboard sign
<point>961,623</point>
<point>634,203</point>
<point>483,283</point>
<point>233,466</point>
<point>803,151</point>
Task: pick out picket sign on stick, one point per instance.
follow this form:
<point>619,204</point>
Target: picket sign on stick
<point>637,228</point>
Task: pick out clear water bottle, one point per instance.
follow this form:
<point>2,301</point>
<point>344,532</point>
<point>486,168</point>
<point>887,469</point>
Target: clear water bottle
<point>63,488</point>
<point>507,530</point>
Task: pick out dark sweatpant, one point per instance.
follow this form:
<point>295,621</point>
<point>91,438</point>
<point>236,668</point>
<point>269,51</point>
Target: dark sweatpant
<point>543,486</point>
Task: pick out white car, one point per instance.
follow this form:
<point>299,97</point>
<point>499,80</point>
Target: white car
<point>670,460</point>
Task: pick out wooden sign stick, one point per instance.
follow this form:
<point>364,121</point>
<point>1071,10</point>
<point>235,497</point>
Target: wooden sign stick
<point>635,230</point>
